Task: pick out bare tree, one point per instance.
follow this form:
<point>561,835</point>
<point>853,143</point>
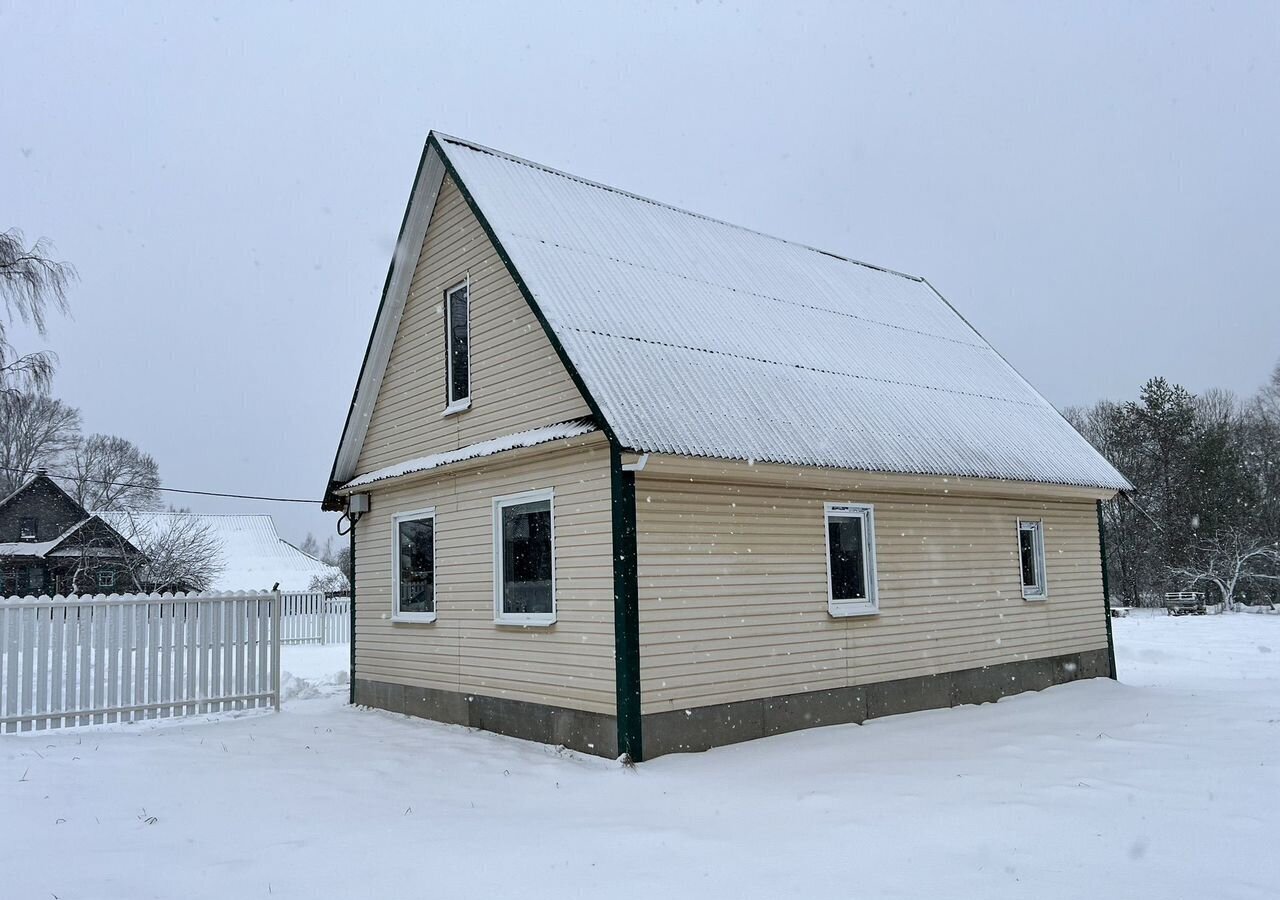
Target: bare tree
<point>1229,558</point>
<point>335,582</point>
<point>30,283</point>
<point>310,546</point>
<point>180,552</point>
<point>1217,406</point>
<point>1269,397</point>
<point>35,430</point>
<point>338,580</point>
<point>111,474</point>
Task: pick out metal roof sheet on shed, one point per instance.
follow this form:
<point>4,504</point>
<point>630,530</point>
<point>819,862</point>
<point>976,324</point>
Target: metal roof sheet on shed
<point>697,337</point>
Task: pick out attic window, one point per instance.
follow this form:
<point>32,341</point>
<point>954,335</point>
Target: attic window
<point>27,529</point>
<point>458,352</point>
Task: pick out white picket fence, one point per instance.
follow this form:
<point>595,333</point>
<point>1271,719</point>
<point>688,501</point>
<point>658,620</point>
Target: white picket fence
<point>311,617</point>
<point>89,660</point>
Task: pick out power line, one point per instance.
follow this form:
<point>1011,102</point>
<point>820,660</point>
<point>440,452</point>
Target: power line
<point>148,487</point>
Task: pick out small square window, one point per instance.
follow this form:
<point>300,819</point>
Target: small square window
<point>457,304</point>
<point>1031,559</point>
<point>27,529</point>
<point>106,578</point>
<point>414,572</point>
<point>524,570</point>
<point>851,560</point>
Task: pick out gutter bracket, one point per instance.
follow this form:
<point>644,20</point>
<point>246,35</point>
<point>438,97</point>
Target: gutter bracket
<point>638,465</point>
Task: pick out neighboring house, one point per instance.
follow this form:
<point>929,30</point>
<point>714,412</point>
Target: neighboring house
<point>50,545</point>
<point>629,479</point>
<point>252,556</point>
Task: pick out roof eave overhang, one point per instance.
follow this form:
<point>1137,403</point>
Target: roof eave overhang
<point>679,466</point>
<point>509,456</point>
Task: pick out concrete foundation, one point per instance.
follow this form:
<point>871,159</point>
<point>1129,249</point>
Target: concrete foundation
<point>704,727</point>
<point>576,729</point>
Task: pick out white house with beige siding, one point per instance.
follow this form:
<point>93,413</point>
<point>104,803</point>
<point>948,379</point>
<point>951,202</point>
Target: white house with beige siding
<point>632,480</point>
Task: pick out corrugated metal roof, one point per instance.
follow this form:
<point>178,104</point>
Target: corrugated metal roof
<point>698,337</point>
<point>254,556</point>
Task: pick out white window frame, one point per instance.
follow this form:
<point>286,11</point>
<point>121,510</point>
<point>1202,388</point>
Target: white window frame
<point>107,578</point>
<point>1036,527</point>
<point>416,515</point>
<point>499,504</point>
<point>869,606</point>
<point>456,405</point>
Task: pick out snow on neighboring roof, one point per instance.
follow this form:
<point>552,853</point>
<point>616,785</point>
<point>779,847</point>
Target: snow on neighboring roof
<point>254,556</point>
<point>40,549</point>
<point>696,337</point>
<point>29,548</point>
<point>530,438</point>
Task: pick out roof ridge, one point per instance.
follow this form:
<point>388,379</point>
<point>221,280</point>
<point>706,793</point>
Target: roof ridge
<point>511,157</point>
<point>174,512</point>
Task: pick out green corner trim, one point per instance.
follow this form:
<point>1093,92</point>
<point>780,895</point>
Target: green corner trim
<point>626,615</point>
<point>1106,592</point>
<point>351,679</point>
<point>626,608</point>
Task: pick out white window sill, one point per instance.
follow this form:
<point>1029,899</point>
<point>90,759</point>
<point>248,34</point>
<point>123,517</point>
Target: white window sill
<point>847,610</point>
<point>419,618</point>
<point>1043,595</point>
<point>535,620</point>
<point>456,407</point>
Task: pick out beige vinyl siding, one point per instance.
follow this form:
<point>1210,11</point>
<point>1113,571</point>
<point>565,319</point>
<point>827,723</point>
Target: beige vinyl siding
<point>569,663</point>
<point>733,588</point>
<point>517,379</point>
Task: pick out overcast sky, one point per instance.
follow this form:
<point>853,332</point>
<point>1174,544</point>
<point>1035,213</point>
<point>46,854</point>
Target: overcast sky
<point>1095,188</point>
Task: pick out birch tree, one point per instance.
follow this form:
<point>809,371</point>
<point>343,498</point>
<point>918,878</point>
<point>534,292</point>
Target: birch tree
<point>31,284</point>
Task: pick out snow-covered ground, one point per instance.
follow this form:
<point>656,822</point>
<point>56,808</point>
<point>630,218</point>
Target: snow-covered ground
<point>1166,785</point>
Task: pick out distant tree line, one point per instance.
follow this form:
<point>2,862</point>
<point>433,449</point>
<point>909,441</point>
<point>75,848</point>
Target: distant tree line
<point>1205,512</point>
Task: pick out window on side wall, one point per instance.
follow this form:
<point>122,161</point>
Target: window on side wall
<point>1031,559</point>
<point>851,560</point>
<point>457,310</point>
<point>414,567</point>
<point>106,578</point>
<point>524,567</point>
<point>27,528</point>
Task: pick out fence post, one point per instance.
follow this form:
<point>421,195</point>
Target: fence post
<point>275,647</point>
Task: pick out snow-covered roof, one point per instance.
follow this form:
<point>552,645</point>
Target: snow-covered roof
<point>695,337</point>
<point>530,438</point>
<point>33,549</point>
<point>254,556</point>
<point>41,549</point>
